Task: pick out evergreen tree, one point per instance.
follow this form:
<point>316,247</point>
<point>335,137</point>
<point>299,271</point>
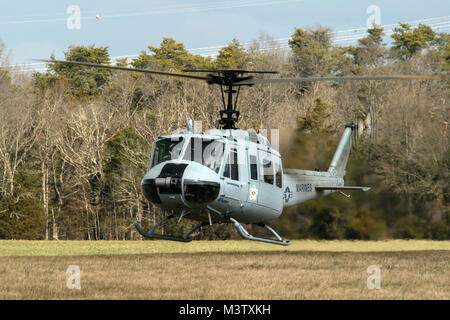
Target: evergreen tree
<point>170,55</point>
<point>84,81</point>
<point>409,41</point>
<point>232,56</point>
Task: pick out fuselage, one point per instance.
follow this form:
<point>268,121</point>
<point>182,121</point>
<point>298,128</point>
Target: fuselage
<point>227,173</point>
<point>234,173</point>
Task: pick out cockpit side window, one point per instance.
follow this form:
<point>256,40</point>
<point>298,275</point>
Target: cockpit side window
<point>231,169</point>
<point>278,174</point>
<point>167,149</point>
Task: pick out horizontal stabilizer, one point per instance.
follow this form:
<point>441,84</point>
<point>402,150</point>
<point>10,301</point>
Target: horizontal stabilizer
<point>342,188</point>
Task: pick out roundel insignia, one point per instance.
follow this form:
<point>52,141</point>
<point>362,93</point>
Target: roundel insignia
<point>287,194</point>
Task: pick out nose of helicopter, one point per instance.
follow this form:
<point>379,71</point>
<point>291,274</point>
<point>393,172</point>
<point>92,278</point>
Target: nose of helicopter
<point>198,184</point>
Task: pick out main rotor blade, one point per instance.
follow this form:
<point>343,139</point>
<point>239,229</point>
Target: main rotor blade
<point>87,64</point>
<point>228,70</point>
<point>306,79</point>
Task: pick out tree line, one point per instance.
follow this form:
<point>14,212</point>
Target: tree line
<point>76,141</point>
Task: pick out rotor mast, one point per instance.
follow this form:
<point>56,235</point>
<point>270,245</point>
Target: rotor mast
<point>228,80</point>
<point>229,115</point>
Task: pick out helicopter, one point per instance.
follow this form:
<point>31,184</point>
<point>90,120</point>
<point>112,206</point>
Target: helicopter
<point>229,175</point>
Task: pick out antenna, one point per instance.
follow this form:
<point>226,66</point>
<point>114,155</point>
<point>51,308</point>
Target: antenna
<point>189,123</point>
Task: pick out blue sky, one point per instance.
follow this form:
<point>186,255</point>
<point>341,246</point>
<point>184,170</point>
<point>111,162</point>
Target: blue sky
<point>34,29</point>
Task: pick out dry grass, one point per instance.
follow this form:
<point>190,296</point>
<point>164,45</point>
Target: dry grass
<point>251,275</point>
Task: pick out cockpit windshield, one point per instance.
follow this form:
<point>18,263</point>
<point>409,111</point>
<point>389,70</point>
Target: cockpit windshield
<point>167,149</point>
<point>208,152</point>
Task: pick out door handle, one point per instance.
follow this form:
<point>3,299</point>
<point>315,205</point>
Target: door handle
<point>235,184</point>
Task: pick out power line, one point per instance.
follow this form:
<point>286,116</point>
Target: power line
<point>339,37</point>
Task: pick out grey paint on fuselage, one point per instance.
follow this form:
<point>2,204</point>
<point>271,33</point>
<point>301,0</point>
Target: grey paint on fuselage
<point>234,199</point>
<point>300,185</point>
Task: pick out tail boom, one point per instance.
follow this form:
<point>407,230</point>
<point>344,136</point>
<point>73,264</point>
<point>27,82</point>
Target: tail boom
<point>301,185</point>
<point>304,185</point>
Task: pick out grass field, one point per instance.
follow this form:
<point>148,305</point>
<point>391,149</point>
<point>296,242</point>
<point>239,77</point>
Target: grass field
<point>224,269</point>
<point>81,248</point>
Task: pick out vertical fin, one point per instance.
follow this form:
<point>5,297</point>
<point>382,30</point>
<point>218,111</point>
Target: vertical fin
<point>340,158</point>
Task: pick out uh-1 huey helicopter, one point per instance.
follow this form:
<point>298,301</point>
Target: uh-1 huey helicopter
<point>230,175</point>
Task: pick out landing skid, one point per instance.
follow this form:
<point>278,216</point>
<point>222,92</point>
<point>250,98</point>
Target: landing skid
<point>152,235</point>
<point>244,233</point>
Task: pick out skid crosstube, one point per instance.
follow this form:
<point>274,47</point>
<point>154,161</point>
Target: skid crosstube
<point>244,233</point>
<point>152,235</point>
